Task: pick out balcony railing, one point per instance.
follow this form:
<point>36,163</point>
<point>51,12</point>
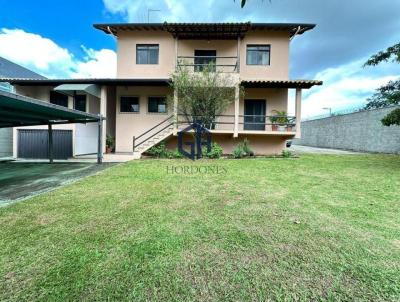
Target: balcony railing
<point>216,63</point>
<point>226,122</point>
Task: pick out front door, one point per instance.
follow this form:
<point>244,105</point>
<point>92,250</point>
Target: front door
<point>203,58</point>
<point>254,115</point>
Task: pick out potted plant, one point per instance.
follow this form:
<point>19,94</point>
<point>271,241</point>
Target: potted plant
<point>109,143</point>
<point>279,120</point>
<point>274,122</point>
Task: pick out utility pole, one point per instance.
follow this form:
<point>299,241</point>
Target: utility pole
<point>329,109</point>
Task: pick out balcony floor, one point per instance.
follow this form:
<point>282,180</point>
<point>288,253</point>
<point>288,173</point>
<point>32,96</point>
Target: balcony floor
<point>256,132</point>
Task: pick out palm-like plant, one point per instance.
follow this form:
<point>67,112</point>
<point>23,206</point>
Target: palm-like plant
<point>280,117</point>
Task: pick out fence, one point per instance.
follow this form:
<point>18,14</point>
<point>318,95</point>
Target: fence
<point>358,131</point>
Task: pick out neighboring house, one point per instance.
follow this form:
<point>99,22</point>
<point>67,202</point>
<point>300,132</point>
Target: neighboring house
<point>255,55</point>
<point>9,69</point>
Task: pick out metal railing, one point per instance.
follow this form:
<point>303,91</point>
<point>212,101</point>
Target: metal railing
<point>250,122</point>
<point>279,123</point>
<point>152,132</point>
<point>215,63</point>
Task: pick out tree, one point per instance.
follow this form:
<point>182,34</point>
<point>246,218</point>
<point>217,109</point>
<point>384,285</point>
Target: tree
<point>388,94</point>
<point>202,96</point>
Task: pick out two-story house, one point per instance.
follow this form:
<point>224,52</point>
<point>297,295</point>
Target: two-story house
<point>255,55</point>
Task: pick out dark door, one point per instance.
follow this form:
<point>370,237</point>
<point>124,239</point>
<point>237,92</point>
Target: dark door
<point>33,143</point>
<point>203,58</point>
<point>254,111</point>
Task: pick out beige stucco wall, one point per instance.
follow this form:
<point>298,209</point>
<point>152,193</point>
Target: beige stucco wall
<point>260,144</point>
<point>134,124</point>
<point>279,57</point>
<point>129,125</point>
<point>127,67</point>
<point>126,60</point>
<point>275,99</point>
<point>224,48</point>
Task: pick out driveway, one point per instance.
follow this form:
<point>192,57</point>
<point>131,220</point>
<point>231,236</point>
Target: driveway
<point>20,180</point>
<point>307,149</point>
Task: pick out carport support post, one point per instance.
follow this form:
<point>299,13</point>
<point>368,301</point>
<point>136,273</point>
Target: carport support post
<point>298,113</point>
<point>51,154</point>
<point>100,140</point>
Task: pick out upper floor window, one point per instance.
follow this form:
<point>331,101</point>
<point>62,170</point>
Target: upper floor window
<point>57,98</point>
<point>157,104</point>
<point>205,59</point>
<point>258,54</point>
<point>147,53</point>
<point>129,104</point>
<point>80,102</point>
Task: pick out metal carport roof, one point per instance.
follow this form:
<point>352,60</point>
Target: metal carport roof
<point>17,110</point>
<point>72,89</point>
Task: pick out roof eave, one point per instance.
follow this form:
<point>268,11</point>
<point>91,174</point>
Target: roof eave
<point>240,27</point>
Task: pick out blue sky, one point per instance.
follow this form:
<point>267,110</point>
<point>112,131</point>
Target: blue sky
<point>56,38</point>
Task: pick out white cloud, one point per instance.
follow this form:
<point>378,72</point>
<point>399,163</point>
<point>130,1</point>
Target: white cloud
<point>97,64</point>
<point>345,86</point>
<point>169,10</point>
<point>45,57</point>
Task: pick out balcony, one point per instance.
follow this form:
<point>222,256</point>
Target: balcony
<point>229,64</point>
<point>249,124</point>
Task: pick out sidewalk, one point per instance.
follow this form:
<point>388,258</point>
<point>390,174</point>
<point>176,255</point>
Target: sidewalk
<point>307,149</point>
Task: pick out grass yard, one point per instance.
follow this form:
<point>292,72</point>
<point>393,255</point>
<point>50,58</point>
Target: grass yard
<point>320,227</point>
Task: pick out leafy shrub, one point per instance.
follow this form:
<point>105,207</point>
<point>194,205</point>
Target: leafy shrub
<point>109,141</point>
<point>238,152</point>
<point>215,152</point>
<point>246,148</point>
<point>286,154</point>
<point>175,154</point>
<point>161,151</point>
<point>243,149</point>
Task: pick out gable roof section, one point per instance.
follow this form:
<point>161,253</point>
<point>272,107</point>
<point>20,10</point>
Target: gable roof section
<point>9,69</point>
<point>206,30</point>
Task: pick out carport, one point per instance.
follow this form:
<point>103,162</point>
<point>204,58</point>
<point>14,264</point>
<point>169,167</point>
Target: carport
<point>18,111</point>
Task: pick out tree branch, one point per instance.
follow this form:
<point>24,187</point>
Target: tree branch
<point>384,56</point>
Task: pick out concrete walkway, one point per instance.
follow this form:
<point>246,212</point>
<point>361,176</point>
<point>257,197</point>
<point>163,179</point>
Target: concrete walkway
<point>20,180</point>
<point>313,150</point>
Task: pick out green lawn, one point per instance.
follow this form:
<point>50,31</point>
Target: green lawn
<point>319,227</point>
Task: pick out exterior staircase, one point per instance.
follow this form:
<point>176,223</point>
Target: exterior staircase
<point>153,136</point>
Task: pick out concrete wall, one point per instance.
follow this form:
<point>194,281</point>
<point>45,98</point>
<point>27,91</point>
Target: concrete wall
<point>6,139</point>
<point>360,131</point>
